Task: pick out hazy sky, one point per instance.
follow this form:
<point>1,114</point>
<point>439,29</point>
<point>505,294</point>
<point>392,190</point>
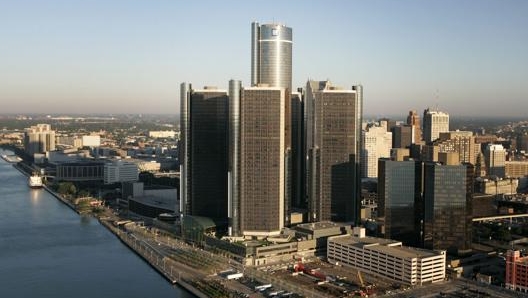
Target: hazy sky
<point>467,57</point>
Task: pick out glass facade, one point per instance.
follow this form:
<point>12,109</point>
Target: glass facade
<point>399,186</point>
<point>334,122</point>
<point>204,153</point>
<point>271,56</point>
<point>263,143</point>
<point>447,206</point>
<point>208,153</point>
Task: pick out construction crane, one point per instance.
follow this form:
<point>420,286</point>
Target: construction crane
<point>360,279</point>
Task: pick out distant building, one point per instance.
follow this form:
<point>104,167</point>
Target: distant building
<point>39,139</point>
<point>523,143</point>
<point>120,171</point>
<point>400,154</point>
<point>80,171</point>
<point>91,141</point>
<point>413,120</point>
<point>333,138</point>
<point>387,258</point>
<point>462,142</point>
<point>516,271</point>
<point>446,206</point>
<point>271,55</point>
<point>434,122</point>
<point>497,186</point>
<point>495,155</point>
<point>516,169</point>
<point>376,144</point>
<point>402,136</point>
<point>162,134</point>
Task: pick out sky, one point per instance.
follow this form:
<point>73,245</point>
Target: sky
<point>129,56</point>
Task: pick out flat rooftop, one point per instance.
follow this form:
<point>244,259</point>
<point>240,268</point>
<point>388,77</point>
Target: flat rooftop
<point>156,201</point>
<point>386,246</point>
<point>321,225</point>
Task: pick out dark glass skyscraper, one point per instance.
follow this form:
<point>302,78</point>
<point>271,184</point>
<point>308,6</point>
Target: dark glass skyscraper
<point>447,206</point>
<point>205,147</point>
<point>333,138</point>
<point>399,195</point>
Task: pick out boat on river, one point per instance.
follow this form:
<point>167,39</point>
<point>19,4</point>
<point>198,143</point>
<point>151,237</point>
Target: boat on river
<point>35,181</point>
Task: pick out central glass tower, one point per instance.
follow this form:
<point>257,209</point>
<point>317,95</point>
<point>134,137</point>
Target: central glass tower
<point>271,55</point>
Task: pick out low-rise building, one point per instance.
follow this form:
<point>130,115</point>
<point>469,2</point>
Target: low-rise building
<point>120,171</point>
<point>387,258</point>
<point>320,231</point>
<point>516,271</point>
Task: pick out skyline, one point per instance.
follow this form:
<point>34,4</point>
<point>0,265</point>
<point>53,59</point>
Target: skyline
<point>130,57</point>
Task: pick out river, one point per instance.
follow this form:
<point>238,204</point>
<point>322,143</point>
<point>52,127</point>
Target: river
<point>47,250</point>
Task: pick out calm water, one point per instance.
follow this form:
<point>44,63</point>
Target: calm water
<point>47,250</point>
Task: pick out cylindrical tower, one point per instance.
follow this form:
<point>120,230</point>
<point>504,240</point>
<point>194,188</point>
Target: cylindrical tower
<point>271,55</point>
<point>234,155</point>
<point>255,57</point>
<point>185,90</point>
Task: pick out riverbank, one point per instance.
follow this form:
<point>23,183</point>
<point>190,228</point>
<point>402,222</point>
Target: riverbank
<point>165,266</point>
<point>45,187</point>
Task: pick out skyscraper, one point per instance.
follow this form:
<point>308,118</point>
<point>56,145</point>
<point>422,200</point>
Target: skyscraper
<point>204,150</point>
<point>402,136</point>
<point>39,139</point>
<point>447,206</point>
<point>271,55</point>
<point>333,140</point>
<point>495,160</point>
<point>235,87</point>
<point>434,122</point>
<point>413,119</point>
<point>264,145</point>
<point>376,143</point>
<point>399,194</point>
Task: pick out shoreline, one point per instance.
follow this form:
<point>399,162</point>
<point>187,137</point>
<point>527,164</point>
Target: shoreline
<point>143,250</point>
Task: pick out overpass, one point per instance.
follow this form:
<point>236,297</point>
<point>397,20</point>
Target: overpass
<point>507,216</point>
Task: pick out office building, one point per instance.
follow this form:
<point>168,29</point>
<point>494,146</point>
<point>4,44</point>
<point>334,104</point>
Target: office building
<point>516,271</point>
<point>264,146</point>
<point>516,169</point>
<point>413,120</point>
<point>271,55</point>
<point>204,150</point>
<point>120,171</point>
<point>333,138</point>
<point>298,155</point>
<point>400,154</point>
<point>80,172</point>
<point>387,258</point>
<point>522,142</point>
<point>495,155</point>
<point>434,122</point>
<point>447,206</point>
<point>376,144</point>
<point>402,136</point>
<point>399,194</point>
<point>461,142</point>
<point>39,139</point>
<point>91,141</point>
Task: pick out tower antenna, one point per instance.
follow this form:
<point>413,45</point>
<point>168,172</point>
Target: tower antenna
<point>437,97</point>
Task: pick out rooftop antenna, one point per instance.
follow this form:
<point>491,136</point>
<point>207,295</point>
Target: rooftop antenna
<point>437,96</point>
